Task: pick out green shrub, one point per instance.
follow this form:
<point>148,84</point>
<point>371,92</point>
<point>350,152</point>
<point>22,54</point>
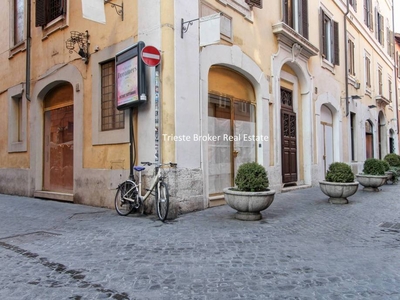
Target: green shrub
<point>339,172</point>
<point>373,166</point>
<point>393,159</point>
<point>386,165</point>
<point>251,177</point>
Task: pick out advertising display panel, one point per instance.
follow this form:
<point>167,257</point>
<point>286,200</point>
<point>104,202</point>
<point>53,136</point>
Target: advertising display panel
<point>130,77</point>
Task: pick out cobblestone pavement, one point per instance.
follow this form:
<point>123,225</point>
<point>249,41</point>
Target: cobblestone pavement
<point>303,248</point>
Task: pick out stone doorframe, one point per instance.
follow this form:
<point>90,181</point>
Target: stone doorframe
<point>54,76</point>
<point>232,57</point>
<point>303,85</point>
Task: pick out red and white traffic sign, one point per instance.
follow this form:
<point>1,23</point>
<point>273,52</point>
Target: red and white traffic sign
<point>151,56</point>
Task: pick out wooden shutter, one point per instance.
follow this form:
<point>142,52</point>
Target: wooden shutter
<point>304,18</point>
<point>355,5</point>
<point>370,12</point>
<point>336,43</point>
<point>40,12</point>
<point>255,3</point>
<point>365,13</point>
<point>382,30</point>
<point>286,11</point>
<point>323,37</point>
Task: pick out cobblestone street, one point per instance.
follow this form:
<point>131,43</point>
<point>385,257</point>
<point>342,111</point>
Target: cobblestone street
<point>303,248</point>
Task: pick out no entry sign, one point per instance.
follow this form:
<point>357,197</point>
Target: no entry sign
<point>151,56</point>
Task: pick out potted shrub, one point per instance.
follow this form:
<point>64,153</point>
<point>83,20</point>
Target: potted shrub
<point>394,166</point>
<point>251,195</point>
<point>373,175</point>
<point>339,183</point>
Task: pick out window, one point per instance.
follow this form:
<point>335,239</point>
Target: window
<point>18,22</point>
<point>111,118</point>
<point>398,64</point>
<point>17,119</point>
<point>351,59</point>
<point>368,14</point>
<point>379,32</point>
<point>353,3</point>
<point>380,83</point>
<point>295,14</point>
<point>255,3</point>
<point>329,39</point>
<point>49,10</point>
<point>353,135</point>
<point>368,72</point>
<point>390,90</point>
<point>390,43</point>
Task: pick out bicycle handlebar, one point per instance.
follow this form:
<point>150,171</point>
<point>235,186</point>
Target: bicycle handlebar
<point>147,163</point>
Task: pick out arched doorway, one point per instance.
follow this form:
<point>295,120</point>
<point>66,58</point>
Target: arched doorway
<point>369,139</point>
<point>231,124</point>
<point>327,134</point>
<point>58,144</point>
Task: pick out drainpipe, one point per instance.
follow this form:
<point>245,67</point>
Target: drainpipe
<point>28,52</point>
<point>395,73</point>
<point>345,58</point>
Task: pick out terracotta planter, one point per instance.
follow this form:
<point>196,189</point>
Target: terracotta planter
<point>248,204</point>
<point>371,183</point>
<point>338,191</point>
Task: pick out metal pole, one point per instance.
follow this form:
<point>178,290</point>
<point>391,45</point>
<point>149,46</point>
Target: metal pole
<point>131,142</point>
<point>157,115</point>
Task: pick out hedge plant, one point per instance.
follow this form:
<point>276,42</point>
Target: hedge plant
<point>393,159</point>
<point>386,165</point>
<point>251,177</point>
<point>373,166</point>
<point>339,172</point>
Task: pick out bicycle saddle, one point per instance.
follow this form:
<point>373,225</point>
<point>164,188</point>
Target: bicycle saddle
<point>138,168</point>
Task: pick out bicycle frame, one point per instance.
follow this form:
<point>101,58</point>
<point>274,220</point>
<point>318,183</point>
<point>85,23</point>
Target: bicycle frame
<point>156,179</point>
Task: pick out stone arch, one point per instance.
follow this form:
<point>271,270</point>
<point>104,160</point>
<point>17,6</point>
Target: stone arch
<point>58,74</point>
<point>232,57</point>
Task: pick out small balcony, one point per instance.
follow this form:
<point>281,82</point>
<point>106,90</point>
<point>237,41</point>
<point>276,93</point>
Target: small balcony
<point>289,37</point>
<point>382,101</point>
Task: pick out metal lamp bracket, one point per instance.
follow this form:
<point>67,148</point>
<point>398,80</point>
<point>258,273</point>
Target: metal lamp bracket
<point>119,9</point>
<point>82,40</point>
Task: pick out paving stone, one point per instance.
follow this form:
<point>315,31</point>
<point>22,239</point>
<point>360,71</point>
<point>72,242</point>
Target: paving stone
<point>303,248</point>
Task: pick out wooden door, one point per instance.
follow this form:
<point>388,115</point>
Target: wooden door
<point>288,137</point>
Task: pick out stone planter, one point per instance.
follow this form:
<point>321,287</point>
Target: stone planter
<point>248,204</point>
<point>371,183</point>
<point>338,191</point>
<point>389,175</point>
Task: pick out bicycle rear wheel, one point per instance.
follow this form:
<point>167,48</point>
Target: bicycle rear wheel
<point>127,189</point>
<point>162,201</point>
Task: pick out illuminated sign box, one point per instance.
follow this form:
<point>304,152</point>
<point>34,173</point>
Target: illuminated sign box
<point>130,77</point>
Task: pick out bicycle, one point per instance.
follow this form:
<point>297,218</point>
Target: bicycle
<point>129,197</point>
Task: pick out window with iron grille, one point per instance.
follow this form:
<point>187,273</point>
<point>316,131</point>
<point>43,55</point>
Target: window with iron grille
<point>111,118</point>
<point>49,10</point>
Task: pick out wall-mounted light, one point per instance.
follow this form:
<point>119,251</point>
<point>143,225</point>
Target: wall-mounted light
<point>355,97</point>
<point>372,106</point>
<point>82,40</point>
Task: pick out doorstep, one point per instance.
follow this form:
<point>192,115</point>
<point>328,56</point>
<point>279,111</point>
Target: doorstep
<point>54,195</point>
<point>295,188</point>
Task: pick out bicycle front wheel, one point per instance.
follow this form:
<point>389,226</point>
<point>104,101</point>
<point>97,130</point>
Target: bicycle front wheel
<point>162,201</point>
<point>128,189</point>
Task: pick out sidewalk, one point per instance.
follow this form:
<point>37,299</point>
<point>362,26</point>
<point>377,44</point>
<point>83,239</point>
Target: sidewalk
<point>303,248</point>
